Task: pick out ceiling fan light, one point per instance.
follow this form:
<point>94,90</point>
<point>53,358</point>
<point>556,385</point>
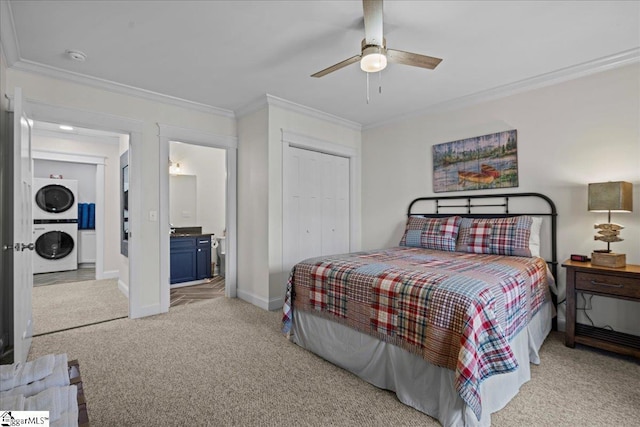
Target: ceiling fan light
<point>373,62</point>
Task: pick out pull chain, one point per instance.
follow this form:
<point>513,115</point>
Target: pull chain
<point>380,82</point>
<point>367,88</point>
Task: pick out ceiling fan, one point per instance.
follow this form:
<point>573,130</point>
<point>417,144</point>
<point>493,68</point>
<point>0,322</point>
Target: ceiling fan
<point>374,53</point>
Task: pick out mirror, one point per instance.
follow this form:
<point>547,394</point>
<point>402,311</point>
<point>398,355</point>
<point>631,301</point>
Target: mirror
<point>124,203</point>
<point>183,200</point>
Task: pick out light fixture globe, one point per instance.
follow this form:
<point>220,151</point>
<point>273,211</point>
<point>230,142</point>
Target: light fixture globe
<point>374,59</point>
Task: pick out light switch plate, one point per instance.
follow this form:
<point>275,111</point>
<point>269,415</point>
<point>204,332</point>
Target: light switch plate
<point>153,215</point>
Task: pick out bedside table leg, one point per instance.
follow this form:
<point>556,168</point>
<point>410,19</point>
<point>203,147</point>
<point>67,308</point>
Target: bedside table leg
<point>570,333</point>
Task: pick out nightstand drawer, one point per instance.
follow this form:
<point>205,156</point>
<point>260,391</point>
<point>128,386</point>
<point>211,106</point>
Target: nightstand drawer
<point>609,284</point>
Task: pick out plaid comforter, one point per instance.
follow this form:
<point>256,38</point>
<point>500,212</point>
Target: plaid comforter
<point>456,310</point>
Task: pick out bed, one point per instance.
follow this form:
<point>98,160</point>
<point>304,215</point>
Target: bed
<point>451,319</point>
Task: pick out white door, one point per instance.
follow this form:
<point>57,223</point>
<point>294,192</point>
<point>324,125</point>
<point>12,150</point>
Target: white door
<point>22,231</point>
<point>316,205</point>
<point>335,204</point>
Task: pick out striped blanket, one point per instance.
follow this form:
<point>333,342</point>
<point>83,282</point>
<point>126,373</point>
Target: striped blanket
<point>456,310</point>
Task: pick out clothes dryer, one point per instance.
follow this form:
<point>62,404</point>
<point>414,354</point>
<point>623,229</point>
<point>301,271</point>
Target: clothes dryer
<point>55,198</point>
<point>55,246</point>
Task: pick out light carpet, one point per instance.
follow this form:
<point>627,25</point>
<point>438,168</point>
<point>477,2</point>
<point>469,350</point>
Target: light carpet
<point>224,362</point>
<point>68,305</point>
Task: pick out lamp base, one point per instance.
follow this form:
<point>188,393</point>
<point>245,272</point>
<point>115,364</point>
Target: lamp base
<point>604,259</point>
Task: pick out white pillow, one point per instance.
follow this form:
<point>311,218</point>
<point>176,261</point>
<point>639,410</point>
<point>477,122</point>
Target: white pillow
<point>534,236</point>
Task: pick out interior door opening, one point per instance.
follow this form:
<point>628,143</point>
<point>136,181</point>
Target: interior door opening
<point>197,217</point>
<point>80,277</point>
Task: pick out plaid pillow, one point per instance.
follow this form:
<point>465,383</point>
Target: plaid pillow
<point>480,238</point>
<point>431,233</point>
<point>506,236</point>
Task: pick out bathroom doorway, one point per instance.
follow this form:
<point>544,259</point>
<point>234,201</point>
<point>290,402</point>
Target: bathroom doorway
<point>197,217</point>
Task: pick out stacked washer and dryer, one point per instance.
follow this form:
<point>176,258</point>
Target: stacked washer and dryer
<point>55,224</point>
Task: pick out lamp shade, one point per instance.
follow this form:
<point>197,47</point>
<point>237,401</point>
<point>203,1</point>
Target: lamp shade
<point>611,196</point>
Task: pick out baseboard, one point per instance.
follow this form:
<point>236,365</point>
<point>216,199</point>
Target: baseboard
<point>276,303</point>
<point>263,303</point>
<point>124,288</point>
<point>112,274</point>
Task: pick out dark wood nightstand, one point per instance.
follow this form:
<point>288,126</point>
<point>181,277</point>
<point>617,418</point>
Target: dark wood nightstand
<point>623,283</point>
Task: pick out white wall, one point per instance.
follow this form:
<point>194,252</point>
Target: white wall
<point>569,134</point>
<point>148,113</point>
<point>253,193</point>
<point>209,166</point>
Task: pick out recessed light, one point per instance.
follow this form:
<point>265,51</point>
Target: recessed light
<point>66,127</point>
<point>76,55</point>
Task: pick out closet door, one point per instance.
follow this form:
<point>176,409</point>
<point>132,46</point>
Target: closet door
<point>316,205</point>
<point>335,204</point>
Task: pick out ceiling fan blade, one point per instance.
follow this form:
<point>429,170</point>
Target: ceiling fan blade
<point>337,66</point>
<point>373,33</point>
<point>408,58</point>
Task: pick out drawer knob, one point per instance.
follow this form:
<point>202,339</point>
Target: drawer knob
<point>611,285</point>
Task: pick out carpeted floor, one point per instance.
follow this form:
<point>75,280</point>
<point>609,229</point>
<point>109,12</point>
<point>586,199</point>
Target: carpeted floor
<point>67,305</point>
<point>224,362</point>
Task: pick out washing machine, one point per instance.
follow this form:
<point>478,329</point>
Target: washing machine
<point>55,198</point>
<point>55,246</point>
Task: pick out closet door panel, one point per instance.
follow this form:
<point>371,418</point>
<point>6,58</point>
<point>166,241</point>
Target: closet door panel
<point>292,208</point>
<point>311,210</point>
<point>342,226</point>
<point>329,192</point>
<point>316,205</point>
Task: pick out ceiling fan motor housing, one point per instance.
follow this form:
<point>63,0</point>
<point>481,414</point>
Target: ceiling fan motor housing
<point>374,57</point>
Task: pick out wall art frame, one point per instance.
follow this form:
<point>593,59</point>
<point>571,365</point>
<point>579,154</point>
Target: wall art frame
<point>476,163</point>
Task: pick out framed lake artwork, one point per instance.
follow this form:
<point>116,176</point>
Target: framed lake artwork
<point>478,163</point>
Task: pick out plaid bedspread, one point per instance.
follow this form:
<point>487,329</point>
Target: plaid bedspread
<point>456,310</point>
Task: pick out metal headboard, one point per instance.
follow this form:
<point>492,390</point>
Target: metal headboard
<point>473,202</point>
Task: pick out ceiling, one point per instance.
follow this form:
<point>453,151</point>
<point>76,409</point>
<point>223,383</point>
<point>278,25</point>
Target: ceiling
<point>228,54</point>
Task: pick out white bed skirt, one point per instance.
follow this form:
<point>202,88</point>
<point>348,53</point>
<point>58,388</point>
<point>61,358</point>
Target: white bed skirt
<point>417,383</point>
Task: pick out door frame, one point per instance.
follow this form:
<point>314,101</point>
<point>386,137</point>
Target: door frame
<point>44,112</point>
<point>166,134</point>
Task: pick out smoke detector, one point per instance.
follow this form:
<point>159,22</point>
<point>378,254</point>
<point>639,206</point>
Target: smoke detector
<point>76,55</point>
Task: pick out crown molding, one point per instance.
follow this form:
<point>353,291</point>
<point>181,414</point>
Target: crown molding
<point>37,68</point>
<point>274,101</point>
<point>312,112</point>
<point>606,63</point>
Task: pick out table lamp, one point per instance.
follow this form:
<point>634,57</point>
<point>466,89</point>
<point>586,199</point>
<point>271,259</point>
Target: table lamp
<point>609,197</point>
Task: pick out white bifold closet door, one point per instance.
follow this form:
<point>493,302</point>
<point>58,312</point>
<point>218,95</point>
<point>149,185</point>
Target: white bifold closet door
<point>316,205</point>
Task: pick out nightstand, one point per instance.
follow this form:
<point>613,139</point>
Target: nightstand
<point>622,283</point>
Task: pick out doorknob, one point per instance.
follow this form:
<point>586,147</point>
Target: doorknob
<point>30,246</point>
<point>11,247</point>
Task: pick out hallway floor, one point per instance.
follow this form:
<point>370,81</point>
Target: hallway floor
<point>58,277</point>
<point>214,288</point>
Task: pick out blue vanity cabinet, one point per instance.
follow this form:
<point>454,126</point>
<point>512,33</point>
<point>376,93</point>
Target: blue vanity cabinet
<point>183,261</point>
<point>190,258</point>
<point>203,257</point>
